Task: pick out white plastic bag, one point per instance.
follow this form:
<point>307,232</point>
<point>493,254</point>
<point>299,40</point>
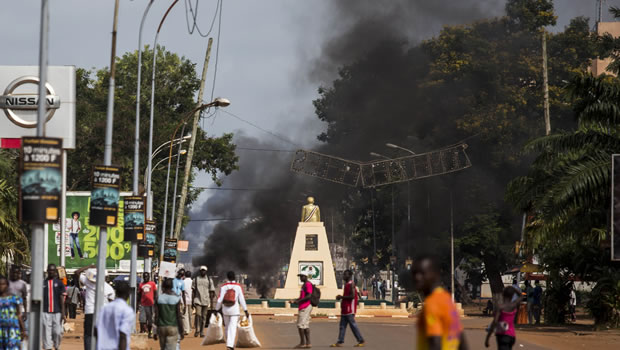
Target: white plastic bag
<point>215,331</point>
<point>246,338</point>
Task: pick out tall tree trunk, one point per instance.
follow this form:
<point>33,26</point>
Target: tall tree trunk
<point>495,277</point>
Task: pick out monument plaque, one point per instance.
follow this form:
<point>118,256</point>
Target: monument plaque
<point>312,242</point>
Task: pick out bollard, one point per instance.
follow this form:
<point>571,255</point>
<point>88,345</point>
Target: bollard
<point>264,304</point>
<point>287,305</point>
<point>410,305</point>
<point>383,306</point>
<point>337,305</point>
<point>403,306</point>
<point>361,306</point>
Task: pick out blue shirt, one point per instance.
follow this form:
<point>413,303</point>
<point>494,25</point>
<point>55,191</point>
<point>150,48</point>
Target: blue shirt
<point>178,286</point>
<point>114,318</point>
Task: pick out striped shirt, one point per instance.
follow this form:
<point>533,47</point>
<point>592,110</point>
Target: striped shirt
<point>54,293</point>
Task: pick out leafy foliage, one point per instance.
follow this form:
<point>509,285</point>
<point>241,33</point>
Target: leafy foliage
<point>176,86</point>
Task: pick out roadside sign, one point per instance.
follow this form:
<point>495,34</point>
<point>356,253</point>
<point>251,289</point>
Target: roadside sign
<point>146,248</point>
<point>104,199</point>
<point>170,250</point>
<point>40,180</point>
<point>134,218</point>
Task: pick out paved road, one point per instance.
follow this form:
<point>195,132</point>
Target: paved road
<point>281,333</point>
<point>380,334</point>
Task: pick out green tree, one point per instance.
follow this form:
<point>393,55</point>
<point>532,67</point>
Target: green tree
<point>481,82</point>
<point>14,245</point>
<point>176,87</point>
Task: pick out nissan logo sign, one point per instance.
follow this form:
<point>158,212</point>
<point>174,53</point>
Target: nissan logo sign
<point>11,102</point>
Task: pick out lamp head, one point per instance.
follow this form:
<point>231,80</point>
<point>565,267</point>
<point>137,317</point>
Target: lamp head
<point>182,152</point>
<point>221,102</point>
<point>187,137</point>
<point>391,145</point>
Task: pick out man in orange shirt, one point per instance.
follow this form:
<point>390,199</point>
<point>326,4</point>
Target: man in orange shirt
<point>439,327</point>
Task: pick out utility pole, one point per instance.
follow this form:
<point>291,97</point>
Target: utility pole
<point>192,144</point>
<point>545,84</point>
<point>107,160</point>
<point>36,299</point>
<point>451,246</point>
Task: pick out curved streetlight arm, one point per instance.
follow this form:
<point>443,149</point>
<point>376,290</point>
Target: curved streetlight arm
<point>156,165</point>
<point>177,141</point>
<point>391,145</point>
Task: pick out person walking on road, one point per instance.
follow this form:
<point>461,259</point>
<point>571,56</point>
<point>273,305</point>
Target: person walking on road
<point>168,317</point>
<point>53,317</point>
<point>146,295</point>
<point>348,308</point>
<point>383,289</point>
<point>537,301</point>
<point>187,315</point>
<point>439,326</point>
<point>204,295</point>
<point>19,287</point>
<point>12,330</point>
<point>73,299</point>
<point>529,292</point>
<point>87,275</point>
<point>504,321</point>
<point>116,321</point>
<point>228,302</point>
<point>305,309</point>
<point>572,303</point>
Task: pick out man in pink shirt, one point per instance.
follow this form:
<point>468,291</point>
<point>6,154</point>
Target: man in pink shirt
<point>305,309</point>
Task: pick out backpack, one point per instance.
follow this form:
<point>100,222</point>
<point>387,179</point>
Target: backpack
<point>315,296</point>
<point>230,298</point>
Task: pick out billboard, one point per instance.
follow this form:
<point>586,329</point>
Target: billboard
<point>82,239</point>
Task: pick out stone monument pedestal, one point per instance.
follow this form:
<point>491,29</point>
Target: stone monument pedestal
<point>310,252</point>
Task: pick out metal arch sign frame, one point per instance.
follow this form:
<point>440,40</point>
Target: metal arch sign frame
<point>10,101</point>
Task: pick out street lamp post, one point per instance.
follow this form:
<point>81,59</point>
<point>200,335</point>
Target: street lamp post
<point>174,192</point>
<point>391,145</point>
<point>394,259</point>
<point>217,102</point>
<point>136,164</point>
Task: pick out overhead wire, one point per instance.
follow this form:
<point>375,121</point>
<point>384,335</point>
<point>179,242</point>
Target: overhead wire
<point>282,138</point>
<point>195,27</point>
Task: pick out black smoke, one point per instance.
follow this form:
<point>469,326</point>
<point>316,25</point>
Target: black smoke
<point>380,38</point>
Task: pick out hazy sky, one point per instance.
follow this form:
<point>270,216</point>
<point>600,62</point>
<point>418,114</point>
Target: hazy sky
<point>266,50</point>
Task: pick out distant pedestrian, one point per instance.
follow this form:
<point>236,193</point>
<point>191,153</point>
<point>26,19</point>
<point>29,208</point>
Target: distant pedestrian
<point>116,321</point>
<point>228,302</point>
<point>348,308</point>
<point>572,303</point>
<point>504,321</point>
<point>187,316</point>
<point>383,289</point>
<point>204,297</point>
<point>529,292</point>
<point>87,275</point>
<point>537,301</point>
<point>19,287</point>
<point>73,299</point>
<point>168,317</point>
<point>74,236</point>
<point>53,317</point>
<point>146,295</point>
<point>178,286</point>
<point>12,330</point>
<point>304,310</point>
<point>439,326</point>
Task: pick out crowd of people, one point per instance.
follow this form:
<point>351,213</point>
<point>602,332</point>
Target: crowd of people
<point>190,299</point>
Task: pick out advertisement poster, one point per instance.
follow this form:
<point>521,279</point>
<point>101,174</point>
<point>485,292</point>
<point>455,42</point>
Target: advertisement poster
<point>134,218</point>
<point>106,182</point>
<point>82,238</point>
<point>316,268</point>
<point>146,248</point>
<point>170,250</point>
<point>40,180</point>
